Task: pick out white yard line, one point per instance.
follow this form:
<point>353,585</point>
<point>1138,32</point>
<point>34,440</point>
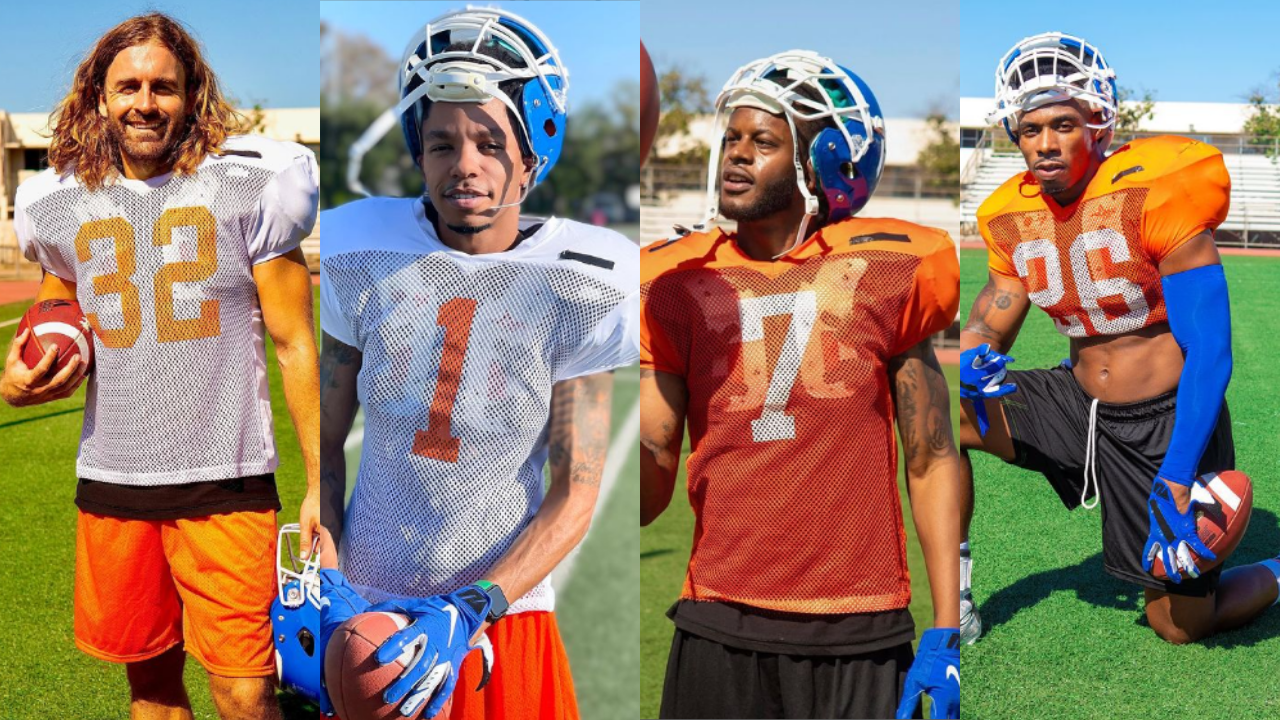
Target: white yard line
<point>356,436</point>
<point>14,321</point>
<point>620,451</point>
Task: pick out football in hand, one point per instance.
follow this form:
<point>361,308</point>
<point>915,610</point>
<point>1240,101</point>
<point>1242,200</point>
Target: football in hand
<point>352,675</point>
<point>1226,500</point>
<point>60,324</point>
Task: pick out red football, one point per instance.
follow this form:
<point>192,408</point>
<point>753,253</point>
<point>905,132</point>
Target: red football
<point>59,323</point>
<point>1226,500</point>
<point>352,675</point>
<point>648,103</point>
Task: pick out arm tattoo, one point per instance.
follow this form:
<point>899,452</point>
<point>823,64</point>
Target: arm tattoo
<point>666,444</point>
<point>335,356</point>
<point>991,301</point>
<point>579,435</point>
<point>924,406</point>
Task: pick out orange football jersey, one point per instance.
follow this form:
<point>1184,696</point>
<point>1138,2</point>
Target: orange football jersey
<point>1094,265</point>
<point>793,469</point>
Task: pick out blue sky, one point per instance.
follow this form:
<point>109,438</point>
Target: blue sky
<point>598,41</point>
<point>264,51</point>
<point>1179,50</point>
<point>904,49</point>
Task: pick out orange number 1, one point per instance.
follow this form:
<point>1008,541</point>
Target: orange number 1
<point>436,441</point>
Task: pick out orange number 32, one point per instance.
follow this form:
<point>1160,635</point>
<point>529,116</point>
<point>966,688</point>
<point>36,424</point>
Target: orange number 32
<point>168,327</point>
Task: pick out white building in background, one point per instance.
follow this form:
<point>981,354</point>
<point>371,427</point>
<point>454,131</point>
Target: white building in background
<point>1254,219</point>
<point>1222,121</point>
<point>900,193</point>
<point>906,137</point>
<point>24,147</point>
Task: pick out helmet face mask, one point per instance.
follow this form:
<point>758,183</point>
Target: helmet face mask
<point>295,614</point>
<point>1053,68</point>
<point>297,578</point>
<point>465,56</point>
<point>847,157</point>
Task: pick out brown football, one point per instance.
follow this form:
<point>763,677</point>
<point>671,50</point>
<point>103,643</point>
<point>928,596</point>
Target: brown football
<point>57,323</point>
<point>649,103</point>
<point>1226,501</point>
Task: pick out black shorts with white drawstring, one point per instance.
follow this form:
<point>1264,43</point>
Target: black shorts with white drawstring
<point>1050,423</point>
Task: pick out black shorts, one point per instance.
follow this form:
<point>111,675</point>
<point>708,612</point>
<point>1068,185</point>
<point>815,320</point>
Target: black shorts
<point>707,679</point>
<point>1049,424</point>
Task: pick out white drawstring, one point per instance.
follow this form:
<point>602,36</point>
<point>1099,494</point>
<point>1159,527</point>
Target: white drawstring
<point>1091,460</point>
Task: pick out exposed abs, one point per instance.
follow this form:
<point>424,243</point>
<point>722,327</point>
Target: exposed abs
<point>1128,368</point>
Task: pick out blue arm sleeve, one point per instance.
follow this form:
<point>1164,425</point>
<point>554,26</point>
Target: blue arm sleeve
<point>1200,317</point>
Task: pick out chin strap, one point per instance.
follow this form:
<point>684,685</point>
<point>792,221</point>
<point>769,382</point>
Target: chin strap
<point>811,205</point>
<point>524,193</point>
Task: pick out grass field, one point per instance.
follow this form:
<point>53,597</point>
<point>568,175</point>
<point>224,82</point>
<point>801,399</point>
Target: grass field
<point>42,674</point>
<point>596,603</point>
<point>1064,639</point>
<point>664,556</point>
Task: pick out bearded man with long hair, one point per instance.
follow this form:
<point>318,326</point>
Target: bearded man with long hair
<point>179,240</point>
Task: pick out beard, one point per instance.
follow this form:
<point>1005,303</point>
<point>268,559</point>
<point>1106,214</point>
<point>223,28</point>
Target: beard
<point>153,148</point>
<point>468,229</point>
<point>772,197</point>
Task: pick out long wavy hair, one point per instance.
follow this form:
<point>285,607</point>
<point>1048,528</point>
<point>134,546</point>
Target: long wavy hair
<point>81,139</point>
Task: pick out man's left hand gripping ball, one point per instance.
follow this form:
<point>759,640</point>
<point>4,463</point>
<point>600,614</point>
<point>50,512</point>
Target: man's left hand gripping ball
<point>439,636</point>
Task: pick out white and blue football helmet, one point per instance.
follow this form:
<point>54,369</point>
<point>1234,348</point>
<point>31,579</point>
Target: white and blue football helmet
<point>1051,68</point>
<point>295,615</point>
<point>429,69</point>
<point>848,158</point>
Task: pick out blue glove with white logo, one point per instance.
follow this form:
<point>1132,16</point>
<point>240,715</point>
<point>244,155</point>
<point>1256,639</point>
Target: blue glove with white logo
<point>438,637</point>
<point>339,602</point>
<point>1172,534</point>
<point>936,673</point>
<point>982,372</point>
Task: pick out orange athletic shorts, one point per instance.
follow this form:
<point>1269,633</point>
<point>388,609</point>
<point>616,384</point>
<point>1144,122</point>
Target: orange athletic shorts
<point>530,679</point>
<point>145,586</point>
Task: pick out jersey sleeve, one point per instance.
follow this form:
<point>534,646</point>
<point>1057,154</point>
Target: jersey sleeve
<point>657,349</point>
<point>998,259</point>
<point>934,297</point>
<point>34,248</point>
<point>613,344</point>
<point>287,210</point>
<point>1186,202</point>
<point>333,321</point>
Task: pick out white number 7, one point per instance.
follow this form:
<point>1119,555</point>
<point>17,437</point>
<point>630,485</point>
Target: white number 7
<point>774,423</point>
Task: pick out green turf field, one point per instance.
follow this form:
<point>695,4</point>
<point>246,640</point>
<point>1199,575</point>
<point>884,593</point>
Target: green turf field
<point>664,556</point>
<point>596,604</point>
<point>1064,639</point>
<point>42,674</point>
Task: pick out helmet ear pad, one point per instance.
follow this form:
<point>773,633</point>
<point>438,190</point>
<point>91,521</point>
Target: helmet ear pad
<point>846,185</point>
<point>545,127</point>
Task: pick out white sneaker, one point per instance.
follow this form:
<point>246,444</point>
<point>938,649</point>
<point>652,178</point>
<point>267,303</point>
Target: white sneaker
<point>970,620</point>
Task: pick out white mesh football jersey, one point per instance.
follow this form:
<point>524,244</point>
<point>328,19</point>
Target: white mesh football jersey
<point>460,353</point>
<point>163,271</point>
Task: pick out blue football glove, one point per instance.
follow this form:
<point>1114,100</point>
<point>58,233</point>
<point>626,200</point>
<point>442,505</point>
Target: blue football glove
<point>339,602</point>
<point>936,673</point>
<point>1172,536</point>
<point>438,637</point>
<point>982,372</point>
